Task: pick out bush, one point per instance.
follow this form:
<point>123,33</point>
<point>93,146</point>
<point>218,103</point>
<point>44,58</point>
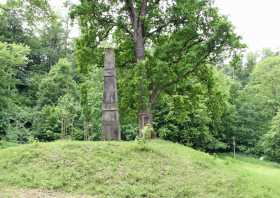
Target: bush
<point>5,144</point>
<point>271,143</point>
<point>129,132</point>
<point>19,135</point>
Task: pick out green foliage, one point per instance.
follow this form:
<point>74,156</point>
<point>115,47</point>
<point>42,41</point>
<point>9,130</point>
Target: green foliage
<point>57,83</point>
<point>63,107</point>
<point>33,24</point>
<point>20,17</point>
<point>258,103</point>
<point>12,58</point>
<point>271,141</point>
<point>90,86</point>
<point>129,131</point>
<point>52,43</point>
<point>194,115</point>
<point>91,103</point>
<point>62,113</point>
<point>47,124</point>
<point>56,102</point>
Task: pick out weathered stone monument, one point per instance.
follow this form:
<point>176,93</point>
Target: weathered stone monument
<point>144,119</point>
<point>110,114</point>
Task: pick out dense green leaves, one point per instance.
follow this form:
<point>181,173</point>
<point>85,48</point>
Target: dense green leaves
<point>258,102</point>
<point>57,83</point>
<point>193,116</point>
<point>12,58</point>
<point>271,140</point>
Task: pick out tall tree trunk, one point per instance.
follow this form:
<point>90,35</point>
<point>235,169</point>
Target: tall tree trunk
<point>145,116</point>
<point>137,22</point>
<point>139,46</point>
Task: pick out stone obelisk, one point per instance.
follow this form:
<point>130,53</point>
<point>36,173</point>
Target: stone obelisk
<point>110,114</point>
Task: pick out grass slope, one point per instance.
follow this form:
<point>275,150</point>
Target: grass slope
<point>129,170</point>
<point>35,193</point>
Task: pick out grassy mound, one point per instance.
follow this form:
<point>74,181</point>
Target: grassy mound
<point>126,169</point>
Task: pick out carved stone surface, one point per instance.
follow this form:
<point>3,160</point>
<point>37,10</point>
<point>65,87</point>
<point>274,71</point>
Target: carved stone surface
<point>144,119</point>
<point>110,114</point>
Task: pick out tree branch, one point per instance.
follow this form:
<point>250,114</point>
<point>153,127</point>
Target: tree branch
<point>144,6</point>
<point>132,15</point>
<point>182,75</point>
<point>157,30</point>
<point>124,27</point>
<point>187,72</point>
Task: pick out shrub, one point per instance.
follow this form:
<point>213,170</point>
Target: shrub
<point>271,143</point>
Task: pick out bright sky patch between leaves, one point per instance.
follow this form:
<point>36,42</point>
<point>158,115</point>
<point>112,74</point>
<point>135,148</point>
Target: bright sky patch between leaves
<point>256,21</point>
